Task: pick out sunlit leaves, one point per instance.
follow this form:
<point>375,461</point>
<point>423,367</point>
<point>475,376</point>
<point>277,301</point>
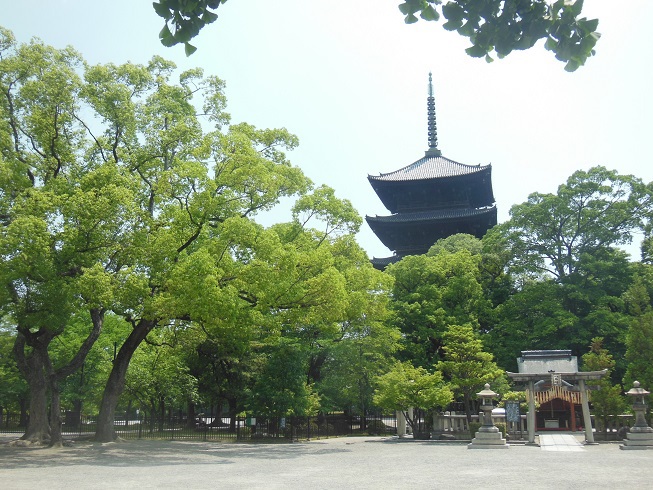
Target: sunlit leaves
<point>405,387</point>
<point>501,26</point>
<point>595,209</point>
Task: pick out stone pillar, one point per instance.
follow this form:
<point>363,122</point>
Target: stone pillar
<point>531,412</point>
<point>401,424</point>
<point>587,418</point>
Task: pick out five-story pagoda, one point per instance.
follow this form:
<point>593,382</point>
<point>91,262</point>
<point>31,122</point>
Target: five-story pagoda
<point>430,199</point>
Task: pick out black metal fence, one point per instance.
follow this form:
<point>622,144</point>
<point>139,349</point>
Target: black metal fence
<point>178,427</point>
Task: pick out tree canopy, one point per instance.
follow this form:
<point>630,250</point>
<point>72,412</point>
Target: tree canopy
<point>494,27</point>
<point>125,190</point>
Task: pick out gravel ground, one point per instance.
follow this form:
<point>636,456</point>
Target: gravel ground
<point>356,462</point>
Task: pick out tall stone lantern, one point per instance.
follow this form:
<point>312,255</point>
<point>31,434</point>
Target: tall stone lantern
<point>488,435</point>
<point>640,435</point>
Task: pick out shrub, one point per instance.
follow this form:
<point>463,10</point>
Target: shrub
<point>376,427</point>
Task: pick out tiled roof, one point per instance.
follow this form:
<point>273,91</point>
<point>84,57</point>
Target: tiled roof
<point>437,215</point>
<point>382,262</point>
<point>430,167</point>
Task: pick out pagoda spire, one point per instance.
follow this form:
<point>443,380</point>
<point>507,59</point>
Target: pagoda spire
<point>433,150</point>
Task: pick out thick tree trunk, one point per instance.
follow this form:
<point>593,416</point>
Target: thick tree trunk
<point>22,420</point>
<point>38,427</point>
<point>37,369</point>
<point>116,382</point>
<point>32,367</point>
<point>56,438</point>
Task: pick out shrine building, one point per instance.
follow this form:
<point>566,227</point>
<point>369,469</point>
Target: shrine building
<point>552,379</point>
<point>430,199</point>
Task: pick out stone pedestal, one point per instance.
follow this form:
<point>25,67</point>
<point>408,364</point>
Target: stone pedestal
<point>488,439</point>
<point>638,440</point>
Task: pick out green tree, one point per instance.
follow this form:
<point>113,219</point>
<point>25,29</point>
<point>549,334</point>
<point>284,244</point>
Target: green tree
<point>353,362</point>
<point>406,386</point>
<point>430,293</point>
<point>492,26</point>
<point>280,386</point>
<point>14,392</point>
<point>608,399</point>
<point>592,212</point>
<point>60,215</point>
<point>159,379</point>
<point>134,196</point>
<point>639,339</point>
<point>467,366</point>
<point>568,275</point>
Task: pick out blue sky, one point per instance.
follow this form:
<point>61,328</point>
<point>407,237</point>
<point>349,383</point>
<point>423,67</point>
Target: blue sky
<point>350,79</point>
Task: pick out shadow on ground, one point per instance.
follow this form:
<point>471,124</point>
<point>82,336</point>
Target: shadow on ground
<point>152,453</point>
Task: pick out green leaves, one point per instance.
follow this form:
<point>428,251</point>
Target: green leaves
<point>187,19</point>
<point>502,26</point>
<point>405,387</point>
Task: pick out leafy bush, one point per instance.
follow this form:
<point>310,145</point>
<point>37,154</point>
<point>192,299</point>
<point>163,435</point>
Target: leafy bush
<point>376,427</point>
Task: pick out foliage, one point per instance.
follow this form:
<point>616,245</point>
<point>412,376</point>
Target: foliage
<point>569,279</point>
<point>430,293</point>
<point>516,396</point>
<point>60,214</point>
<point>467,367</point>
<point>186,19</point>
<point>280,388</point>
<point>592,212</point>
<point>406,386</point>
<point>456,243</point>
<point>608,399</point>
<point>159,379</point>
<point>492,26</point>
<point>639,338</point>
<point>126,191</point>
<point>13,389</point>
<point>501,26</point>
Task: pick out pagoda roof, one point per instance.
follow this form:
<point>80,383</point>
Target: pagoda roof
<point>382,262</point>
<point>432,215</point>
<point>429,167</point>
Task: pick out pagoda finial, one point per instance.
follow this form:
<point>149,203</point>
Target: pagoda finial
<point>433,150</point>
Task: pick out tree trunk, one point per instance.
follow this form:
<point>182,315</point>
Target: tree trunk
<point>32,367</point>
<point>468,407</point>
<point>116,382</point>
<point>162,413</point>
<point>37,369</point>
<point>38,428</point>
<point>22,420</point>
<point>233,414</point>
<point>190,420</point>
<point>56,438</point>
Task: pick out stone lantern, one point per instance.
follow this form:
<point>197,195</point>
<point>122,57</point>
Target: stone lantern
<point>487,395</point>
<point>488,435</point>
<point>640,435</point>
